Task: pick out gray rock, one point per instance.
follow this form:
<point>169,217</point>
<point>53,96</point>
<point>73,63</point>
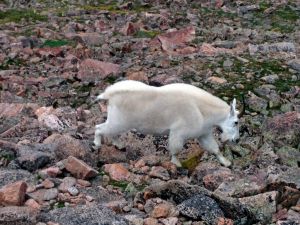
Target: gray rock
<point>289,156</point>
<point>263,206</point>
<point>8,176</point>
<point>248,185</point>
<point>227,63</point>
<point>295,64</point>
<point>274,47</point>
<point>257,104</point>
<point>44,194</point>
<point>83,215</point>
<point>14,215</point>
<point>247,8</point>
<point>201,207</point>
<point>179,191</point>
<point>176,190</point>
<point>270,79</point>
<point>32,160</point>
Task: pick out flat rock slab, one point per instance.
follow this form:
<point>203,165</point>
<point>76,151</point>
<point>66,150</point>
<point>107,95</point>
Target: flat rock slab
<point>14,215</point>
<point>83,215</point>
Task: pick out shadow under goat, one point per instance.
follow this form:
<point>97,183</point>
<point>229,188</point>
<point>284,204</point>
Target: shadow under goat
<point>183,111</point>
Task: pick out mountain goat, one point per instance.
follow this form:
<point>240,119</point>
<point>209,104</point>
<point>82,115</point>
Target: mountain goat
<point>180,110</point>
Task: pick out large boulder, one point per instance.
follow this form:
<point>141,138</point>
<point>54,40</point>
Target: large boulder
<point>283,129</point>
<point>201,207</point>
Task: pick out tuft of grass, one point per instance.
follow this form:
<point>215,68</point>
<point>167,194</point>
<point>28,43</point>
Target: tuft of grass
<point>280,20</point>
<point>146,34</point>
<point>120,184</point>
<point>16,15</point>
<point>110,79</point>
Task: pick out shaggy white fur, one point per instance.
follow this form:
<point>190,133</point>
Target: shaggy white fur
<point>181,110</point>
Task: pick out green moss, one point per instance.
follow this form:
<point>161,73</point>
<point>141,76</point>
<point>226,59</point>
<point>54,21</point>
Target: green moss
<point>110,79</point>
<point>191,162</point>
<point>281,20</point>
<point>258,69</point>
<point>214,13</point>
<point>56,43</point>
<point>16,15</point>
<point>287,13</point>
<point>11,62</point>
<point>146,34</point>
<point>7,155</point>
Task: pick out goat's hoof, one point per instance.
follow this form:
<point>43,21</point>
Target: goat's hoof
<point>226,163</point>
<point>97,143</point>
<point>176,162</point>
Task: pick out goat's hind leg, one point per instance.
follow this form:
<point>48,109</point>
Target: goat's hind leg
<point>209,143</point>
<point>175,145</point>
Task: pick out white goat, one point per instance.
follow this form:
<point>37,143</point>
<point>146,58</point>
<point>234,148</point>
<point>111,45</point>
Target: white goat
<point>181,110</point>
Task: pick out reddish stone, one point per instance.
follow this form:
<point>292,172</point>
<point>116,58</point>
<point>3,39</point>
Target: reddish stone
<point>83,183</point>
<point>51,171</point>
<point>56,51</point>
<point>216,80</point>
<point>117,172</point>
<point>67,183</point>
<point>209,50</point>
<point>213,180</point>
<point>79,169</point>
<point>161,211</point>
<point>91,69</point>
<point>13,194</point>
<point>159,172</point>
<point>68,146</point>
<point>224,221</point>
<point>139,76</point>
<point>129,29</point>
<point>151,221</point>
<point>31,203</point>
<point>174,42</point>
<point>48,184</point>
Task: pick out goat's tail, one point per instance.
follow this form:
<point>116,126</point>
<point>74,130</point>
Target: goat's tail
<point>101,97</point>
<point>97,99</point>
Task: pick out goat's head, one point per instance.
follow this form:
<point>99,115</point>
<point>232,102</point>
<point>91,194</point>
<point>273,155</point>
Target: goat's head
<point>230,126</point>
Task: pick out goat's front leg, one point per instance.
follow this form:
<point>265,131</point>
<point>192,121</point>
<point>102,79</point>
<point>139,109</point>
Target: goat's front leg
<point>98,133</point>
<point>209,143</point>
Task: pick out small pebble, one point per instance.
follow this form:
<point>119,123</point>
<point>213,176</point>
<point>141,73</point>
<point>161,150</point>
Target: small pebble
<point>89,198</point>
<point>126,208</point>
<point>73,191</point>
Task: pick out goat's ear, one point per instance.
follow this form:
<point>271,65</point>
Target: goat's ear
<point>232,107</point>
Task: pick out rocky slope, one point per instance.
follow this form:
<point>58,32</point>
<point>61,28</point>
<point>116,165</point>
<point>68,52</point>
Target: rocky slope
<point>56,56</point>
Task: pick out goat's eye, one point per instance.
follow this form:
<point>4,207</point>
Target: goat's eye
<point>236,123</point>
